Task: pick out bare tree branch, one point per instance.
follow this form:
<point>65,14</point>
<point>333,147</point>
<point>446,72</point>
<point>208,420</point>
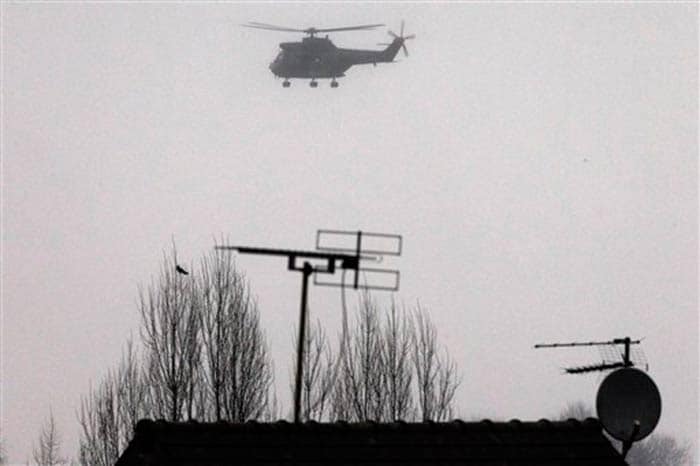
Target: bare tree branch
<point>399,376</point>
<point>47,451</point>
<point>2,451</point>
<point>436,377</point>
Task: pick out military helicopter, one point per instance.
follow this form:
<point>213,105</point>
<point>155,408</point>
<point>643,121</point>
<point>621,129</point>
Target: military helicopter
<point>318,58</point>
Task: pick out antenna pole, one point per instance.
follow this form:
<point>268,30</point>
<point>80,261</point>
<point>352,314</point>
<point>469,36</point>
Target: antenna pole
<point>358,250</point>
<point>306,273</point>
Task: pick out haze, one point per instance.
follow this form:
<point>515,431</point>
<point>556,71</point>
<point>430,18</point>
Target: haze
<point>539,159</point>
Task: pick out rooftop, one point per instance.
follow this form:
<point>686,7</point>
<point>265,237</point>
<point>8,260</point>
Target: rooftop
<point>516,442</point>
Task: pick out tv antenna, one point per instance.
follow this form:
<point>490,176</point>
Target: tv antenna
<point>335,250</point>
<point>626,360</point>
<point>628,403</point>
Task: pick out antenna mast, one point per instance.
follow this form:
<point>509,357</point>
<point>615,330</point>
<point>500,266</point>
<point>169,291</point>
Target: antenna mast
<point>331,258</point>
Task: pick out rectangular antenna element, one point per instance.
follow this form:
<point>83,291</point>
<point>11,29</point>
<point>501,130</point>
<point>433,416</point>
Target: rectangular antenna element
<point>368,279</point>
<point>369,243</point>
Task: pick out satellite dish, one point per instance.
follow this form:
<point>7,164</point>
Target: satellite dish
<point>628,404</point>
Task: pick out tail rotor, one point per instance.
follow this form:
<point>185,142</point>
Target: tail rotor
<point>402,38</point>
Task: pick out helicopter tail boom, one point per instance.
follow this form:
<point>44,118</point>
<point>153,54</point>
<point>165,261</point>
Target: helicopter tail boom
<point>363,57</point>
<point>390,52</point>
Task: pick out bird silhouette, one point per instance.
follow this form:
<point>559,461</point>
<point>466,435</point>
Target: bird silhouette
<point>180,270</point>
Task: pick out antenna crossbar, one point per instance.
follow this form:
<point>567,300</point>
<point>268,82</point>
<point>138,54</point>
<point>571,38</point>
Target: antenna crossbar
<point>616,341</point>
<point>290,252</point>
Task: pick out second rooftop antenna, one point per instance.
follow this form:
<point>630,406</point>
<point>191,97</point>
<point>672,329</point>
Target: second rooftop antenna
<point>626,342</point>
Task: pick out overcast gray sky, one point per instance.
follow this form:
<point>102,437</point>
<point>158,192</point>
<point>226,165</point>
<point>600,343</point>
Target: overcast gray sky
<point>539,159</point>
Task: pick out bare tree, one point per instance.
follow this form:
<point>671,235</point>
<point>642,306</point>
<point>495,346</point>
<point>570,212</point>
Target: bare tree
<point>660,450</point>
<point>170,333</point>
<point>359,393</point>
<point>576,410</point>
<point>132,394</point>
<point>436,376</point>
<point>392,368</point>
<point>217,283</point>
<point>47,451</point>
<point>99,437</point>
<point>237,369</point>
<point>107,416</point>
<point>248,375</point>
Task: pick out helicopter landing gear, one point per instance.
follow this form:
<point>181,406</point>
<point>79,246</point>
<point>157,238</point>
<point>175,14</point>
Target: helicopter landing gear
<point>286,83</point>
<point>313,83</point>
<point>334,83</point>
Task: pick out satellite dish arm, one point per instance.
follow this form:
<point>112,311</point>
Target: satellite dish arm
<point>627,444</point>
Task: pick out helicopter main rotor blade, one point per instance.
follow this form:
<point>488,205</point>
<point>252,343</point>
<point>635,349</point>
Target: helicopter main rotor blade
<point>311,30</point>
<point>348,28</point>
<point>271,27</point>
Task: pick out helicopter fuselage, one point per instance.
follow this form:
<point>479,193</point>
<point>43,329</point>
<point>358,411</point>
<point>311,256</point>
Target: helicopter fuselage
<point>318,58</point>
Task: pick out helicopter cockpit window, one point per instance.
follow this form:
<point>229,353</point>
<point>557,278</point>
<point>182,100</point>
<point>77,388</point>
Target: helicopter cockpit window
<point>280,56</point>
